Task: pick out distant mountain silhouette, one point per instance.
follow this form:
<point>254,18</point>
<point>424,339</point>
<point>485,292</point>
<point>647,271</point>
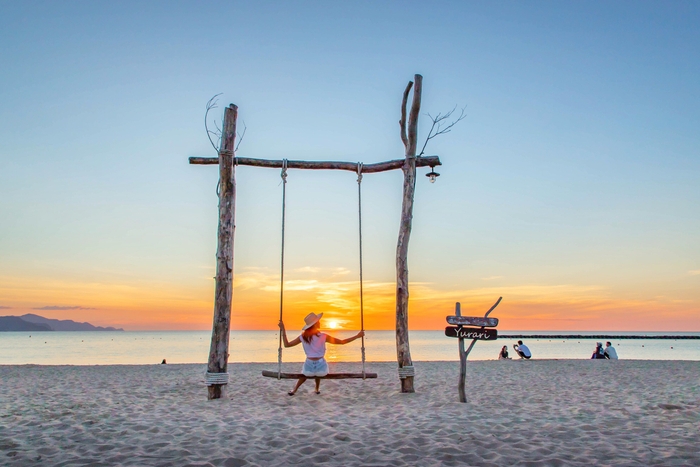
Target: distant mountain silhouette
<point>17,324</point>
<point>31,322</point>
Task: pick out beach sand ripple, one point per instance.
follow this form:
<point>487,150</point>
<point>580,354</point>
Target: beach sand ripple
<point>531,413</point>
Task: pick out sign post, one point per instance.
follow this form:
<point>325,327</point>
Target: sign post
<point>472,333</point>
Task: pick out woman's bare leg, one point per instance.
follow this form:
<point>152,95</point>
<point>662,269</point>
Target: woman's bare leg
<point>300,381</point>
<point>318,385</point>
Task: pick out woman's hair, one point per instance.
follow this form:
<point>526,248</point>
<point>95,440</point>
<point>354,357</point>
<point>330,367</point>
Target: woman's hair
<point>307,334</point>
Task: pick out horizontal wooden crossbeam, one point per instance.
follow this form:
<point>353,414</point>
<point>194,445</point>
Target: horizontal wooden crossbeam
<point>273,374</point>
<point>427,161</point>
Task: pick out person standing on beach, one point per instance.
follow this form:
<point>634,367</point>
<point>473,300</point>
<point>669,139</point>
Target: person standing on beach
<point>522,350</point>
<point>610,352</point>
<point>314,343</point>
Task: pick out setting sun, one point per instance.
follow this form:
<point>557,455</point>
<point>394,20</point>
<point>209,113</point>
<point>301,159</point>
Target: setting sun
<point>332,324</point>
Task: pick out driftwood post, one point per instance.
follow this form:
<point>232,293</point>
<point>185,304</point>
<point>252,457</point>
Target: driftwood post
<point>478,334</point>
<point>217,368</point>
<point>409,136</point>
<point>462,360</point>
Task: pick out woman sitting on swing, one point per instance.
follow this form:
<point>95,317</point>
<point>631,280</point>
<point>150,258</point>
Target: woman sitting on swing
<point>314,343</point>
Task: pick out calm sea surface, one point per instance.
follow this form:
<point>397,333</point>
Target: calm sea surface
<point>102,348</point>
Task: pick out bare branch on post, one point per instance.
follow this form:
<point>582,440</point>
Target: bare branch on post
<point>437,127</point>
<point>211,104</point>
<point>218,352</point>
<point>409,134</point>
<point>241,136</point>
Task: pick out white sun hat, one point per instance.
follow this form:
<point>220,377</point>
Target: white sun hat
<point>311,319</point>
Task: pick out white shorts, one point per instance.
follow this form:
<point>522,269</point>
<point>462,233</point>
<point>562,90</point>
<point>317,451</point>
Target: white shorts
<point>313,368</point>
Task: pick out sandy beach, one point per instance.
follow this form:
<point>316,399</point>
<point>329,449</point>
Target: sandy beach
<point>566,412</point>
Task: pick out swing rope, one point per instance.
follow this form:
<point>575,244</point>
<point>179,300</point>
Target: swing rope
<point>284,207</point>
<point>362,304</point>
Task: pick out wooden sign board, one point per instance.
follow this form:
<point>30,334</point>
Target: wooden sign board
<point>471,333</point>
<point>472,321</point>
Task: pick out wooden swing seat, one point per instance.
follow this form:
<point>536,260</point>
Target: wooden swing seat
<point>273,374</point>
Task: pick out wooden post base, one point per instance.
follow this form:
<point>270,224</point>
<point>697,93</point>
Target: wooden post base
<point>216,391</point>
<point>407,385</point>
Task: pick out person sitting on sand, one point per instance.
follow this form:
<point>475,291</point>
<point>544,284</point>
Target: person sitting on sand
<point>610,352</point>
<point>314,343</point>
<point>522,350</point>
<point>598,353</point>
<point>504,353</point>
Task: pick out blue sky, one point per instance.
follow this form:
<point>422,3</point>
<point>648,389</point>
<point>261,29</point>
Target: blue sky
<point>573,179</point>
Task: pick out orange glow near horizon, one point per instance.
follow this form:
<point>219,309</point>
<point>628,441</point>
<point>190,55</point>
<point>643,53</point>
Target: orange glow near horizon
<point>256,305</point>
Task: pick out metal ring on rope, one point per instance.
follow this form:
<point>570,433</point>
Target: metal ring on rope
<point>216,378</point>
<point>406,371</point>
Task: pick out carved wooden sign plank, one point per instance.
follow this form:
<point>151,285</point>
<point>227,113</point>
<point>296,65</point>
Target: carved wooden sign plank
<point>471,333</point>
<point>472,321</point>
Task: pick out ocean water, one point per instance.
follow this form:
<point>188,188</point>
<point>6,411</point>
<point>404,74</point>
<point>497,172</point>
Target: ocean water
<point>106,348</point>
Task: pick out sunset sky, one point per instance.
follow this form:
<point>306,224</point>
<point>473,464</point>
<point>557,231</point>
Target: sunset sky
<point>571,188</point>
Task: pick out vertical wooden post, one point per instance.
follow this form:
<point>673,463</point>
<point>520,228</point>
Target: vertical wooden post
<point>462,360</point>
<point>409,136</point>
<point>218,352</point>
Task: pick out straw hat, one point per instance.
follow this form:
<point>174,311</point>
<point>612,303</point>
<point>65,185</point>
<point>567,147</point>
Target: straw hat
<point>311,319</point>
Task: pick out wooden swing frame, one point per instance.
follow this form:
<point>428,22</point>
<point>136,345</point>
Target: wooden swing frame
<point>217,367</point>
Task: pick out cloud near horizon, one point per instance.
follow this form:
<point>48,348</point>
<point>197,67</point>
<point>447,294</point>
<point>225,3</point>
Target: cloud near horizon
<point>525,306</point>
<point>5,307</point>
<point>256,304</point>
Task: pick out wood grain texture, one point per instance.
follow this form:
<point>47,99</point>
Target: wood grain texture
<point>403,350</point>
<point>472,321</point>
<point>402,122</point>
<point>425,161</point>
<point>462,361</point>
<point>218,351</point>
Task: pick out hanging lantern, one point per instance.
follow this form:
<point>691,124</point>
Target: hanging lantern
<point>432,175</point>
